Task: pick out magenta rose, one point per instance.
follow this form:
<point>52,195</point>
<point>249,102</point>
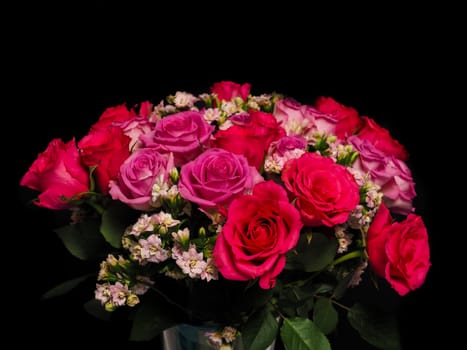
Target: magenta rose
<point>118,113</point>
<point>251,138</point>
<point>381,139</point>
<point>106,149</point>
<point>185,134</point>
<point>399,251</point>
<point>137,176</point>
<point>345,119</point>
<point>326,192</point>
<point>227,90</point>
<point>216,177</point>
<point>260,229</point>
<point>57,172</point>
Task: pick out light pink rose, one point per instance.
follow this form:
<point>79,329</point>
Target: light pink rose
<point>290,114</point>
<point>57,172</point>
<point>399,251</point>
<point>325,191</point>
<point>137,176</point>
<point>185,134</point>
<point>260,229</point>
<point>390,173</point>
<point>216,177</point>
<point>134,128</point>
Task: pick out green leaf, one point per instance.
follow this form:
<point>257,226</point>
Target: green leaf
<point>65,287</point>
<point>95,308</point>
<point>152,317</point>
<point>325,315</point>
<point>319,253</point>
<point>115,219</point>
<point>83,240</point>
<point>377,327</point>
<point>260,330</point>
<point>302,334</point>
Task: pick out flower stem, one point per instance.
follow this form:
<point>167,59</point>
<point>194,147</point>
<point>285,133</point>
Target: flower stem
<point>340,305</point>
<point>351,255</point>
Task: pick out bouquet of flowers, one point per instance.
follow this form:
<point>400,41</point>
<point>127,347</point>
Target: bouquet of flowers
<point>251,213</point>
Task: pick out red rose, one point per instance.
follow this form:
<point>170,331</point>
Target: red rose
<point>381,139</point>
<point>113,114</point>
<point>326,192</point>
<point>251,138</point>
<point>106,149</point>
<point>227,90</point>
<point>345,119</point>
<point>260,229</point>
<point>399,251</point>
<point>57,172</point>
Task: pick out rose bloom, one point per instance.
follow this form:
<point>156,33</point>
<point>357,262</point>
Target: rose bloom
<point>399,251</point>
<point>106,149</point>
<point>326,192</point>
<point>250,138</point>
<point>386,171</point>
<point>260,229</point>
<point>118,113</point>
<point>137,176</point>
<point>345,119</point>
<point>216,177</point>
<point>399,191</point>
<point>381,139</point>
<point>227,90</point>
<point>185,134</point>
<point>134,128</point>
<point>57,172</point>
<point>290,115</point>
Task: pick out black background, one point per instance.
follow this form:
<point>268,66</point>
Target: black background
<point>68,67</point>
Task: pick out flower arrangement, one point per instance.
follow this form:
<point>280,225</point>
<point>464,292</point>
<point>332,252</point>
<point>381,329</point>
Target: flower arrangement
<point>253,213</point>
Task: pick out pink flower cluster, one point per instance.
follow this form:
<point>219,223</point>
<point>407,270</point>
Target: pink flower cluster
<point>259,170</point>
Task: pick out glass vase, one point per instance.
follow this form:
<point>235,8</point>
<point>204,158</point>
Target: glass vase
<point>188,337</point>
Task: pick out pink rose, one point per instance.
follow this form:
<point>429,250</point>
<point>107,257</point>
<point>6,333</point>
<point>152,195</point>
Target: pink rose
<point>390,173</point>
<point>290,115</point>
<point>326,192</point>
<point>288,143</point>
<point>57,172</point>
<point>134,128</point>
<point>137,176</point>
<point>106,149</point>
<point>399,251</point>
<point>399,191</point>
<point>227,90</point>
<point>118,113</point>
<point>260,229</point>
<point>185,134</point>
<point>216,177</point>
<point>345,119</point>
<point>251,138</point>
<point>381,139</point>
<point>371,160</point>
